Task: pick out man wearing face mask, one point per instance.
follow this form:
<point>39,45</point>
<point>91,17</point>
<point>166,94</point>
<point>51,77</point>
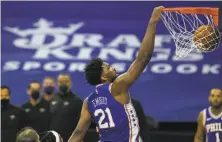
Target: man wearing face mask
<point>48,88</point>
<point>65,108</point>
<point>13,118</point>
<point>37,108</point>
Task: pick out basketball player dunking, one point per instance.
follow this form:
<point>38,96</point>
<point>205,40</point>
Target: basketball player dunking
<point>109,105</point>
<point>210,119</point>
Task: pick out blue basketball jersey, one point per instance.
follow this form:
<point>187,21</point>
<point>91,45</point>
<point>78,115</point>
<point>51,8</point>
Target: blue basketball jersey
<point>116,122</point>
<point>213,126</point>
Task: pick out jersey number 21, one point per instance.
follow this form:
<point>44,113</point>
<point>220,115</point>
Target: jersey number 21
<point>102,124</point>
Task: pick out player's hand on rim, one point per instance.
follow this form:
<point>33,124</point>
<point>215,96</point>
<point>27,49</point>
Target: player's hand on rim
<point>156,14</point>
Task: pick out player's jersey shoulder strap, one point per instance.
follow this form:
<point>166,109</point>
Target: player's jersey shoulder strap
<point>104,88</point>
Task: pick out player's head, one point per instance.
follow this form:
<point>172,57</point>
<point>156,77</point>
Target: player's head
<point>215,98</point>
<point>48,85</point>
<point>34,90</point>
<point>5,95</point>
<point>64,83</point>
<point>51,136</point>
<point>97,72</point>
<point>27,134</point>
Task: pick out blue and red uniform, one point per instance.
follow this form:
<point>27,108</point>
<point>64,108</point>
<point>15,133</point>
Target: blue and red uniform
<point>116,122</point>
<point>212,125</point>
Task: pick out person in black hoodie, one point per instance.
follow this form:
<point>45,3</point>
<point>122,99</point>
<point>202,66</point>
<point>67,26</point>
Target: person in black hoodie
<point>38,109</point>
<point>65,108</point>
<point>13,118</point>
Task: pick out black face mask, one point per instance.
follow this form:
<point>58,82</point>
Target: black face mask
<point>35,95</point>
<point>49,90</point>
<point>4,102</point>
<point>63,88</point>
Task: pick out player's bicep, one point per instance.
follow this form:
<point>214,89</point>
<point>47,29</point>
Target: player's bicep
<point>135,69</point>
<point>199,137</point>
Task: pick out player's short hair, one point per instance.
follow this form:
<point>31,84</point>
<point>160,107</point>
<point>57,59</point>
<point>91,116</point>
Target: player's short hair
<point>27,134</point>
<point>93,72</point>
<point>6,87</point>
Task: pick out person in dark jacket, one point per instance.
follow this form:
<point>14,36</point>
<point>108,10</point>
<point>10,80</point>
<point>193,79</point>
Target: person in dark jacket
<point>13,118</point>
<point>37,108</point>
<point>65,108</point>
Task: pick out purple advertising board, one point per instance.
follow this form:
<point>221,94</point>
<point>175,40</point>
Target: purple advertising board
<point>48,38</point>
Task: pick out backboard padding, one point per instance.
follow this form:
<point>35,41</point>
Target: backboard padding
<point>220,17</point>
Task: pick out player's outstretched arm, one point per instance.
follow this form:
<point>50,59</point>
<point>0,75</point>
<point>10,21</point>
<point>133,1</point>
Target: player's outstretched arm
<point>125,80</point>
<point>199,137</point>
<point>83,125</point>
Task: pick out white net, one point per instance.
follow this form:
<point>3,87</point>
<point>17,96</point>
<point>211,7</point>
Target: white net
<point>182,28</point>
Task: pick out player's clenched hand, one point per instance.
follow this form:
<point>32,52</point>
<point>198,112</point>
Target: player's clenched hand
<point>156,14</point>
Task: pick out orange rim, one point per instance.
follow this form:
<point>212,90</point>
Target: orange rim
<point>196,10</point>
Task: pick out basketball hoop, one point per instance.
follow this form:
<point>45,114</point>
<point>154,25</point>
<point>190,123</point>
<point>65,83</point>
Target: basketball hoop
<point>182,23</point>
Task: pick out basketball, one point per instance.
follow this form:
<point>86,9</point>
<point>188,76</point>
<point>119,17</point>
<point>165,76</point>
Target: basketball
<point>206,38</point>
